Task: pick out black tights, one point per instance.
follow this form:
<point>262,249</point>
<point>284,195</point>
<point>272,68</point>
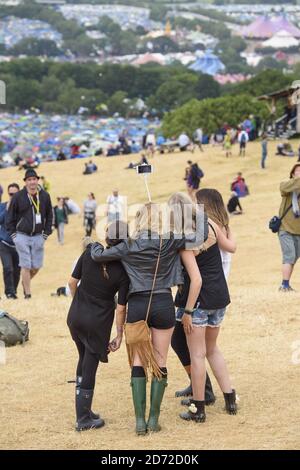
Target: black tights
<point>138,372</point>
<point>87,365</point>
<point>180,346</point>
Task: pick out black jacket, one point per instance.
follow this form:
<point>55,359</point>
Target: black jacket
<point>139,259</point>
<point>21,214</point>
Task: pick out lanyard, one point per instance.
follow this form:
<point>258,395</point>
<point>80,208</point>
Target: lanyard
<point>35,204</point>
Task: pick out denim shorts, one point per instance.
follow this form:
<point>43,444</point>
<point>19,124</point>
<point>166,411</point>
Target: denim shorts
<point>201,317</point>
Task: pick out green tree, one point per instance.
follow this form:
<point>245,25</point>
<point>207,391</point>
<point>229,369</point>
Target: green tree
<point>271,63</point>
<point>207,87</point>
<point>36,47</point>
<point>211,114</point>
<point>23,94</point>
<point>118,103</point>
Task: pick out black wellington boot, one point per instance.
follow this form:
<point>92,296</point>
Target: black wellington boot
<point>83,411</point>
<point>78,383</point>
<point>209,393</point>
<point>186,392</point>
<point>230,403</point>
<point>196,412</point>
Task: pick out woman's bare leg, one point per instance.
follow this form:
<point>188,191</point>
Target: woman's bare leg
<point>161,340</point>
<point>216,360</point>
<point>196,344</point>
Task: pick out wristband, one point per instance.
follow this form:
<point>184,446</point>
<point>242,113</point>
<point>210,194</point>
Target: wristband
<point>188,311</point>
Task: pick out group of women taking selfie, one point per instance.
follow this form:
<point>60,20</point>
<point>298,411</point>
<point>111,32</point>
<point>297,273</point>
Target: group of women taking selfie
<point>142,268</point>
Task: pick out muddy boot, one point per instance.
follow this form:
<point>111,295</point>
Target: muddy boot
<point>138,386</point>
<point>157,393</point>
<point>83,411</point>
<point>209,393</point>
<point>77,388</point>
<point>230,403</point>
<point>196,412</point>
<point>186,392</point>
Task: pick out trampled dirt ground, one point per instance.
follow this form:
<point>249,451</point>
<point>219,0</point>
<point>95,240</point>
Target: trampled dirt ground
<point>260,336</point>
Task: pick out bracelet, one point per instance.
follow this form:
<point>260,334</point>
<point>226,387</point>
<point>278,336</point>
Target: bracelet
<point>188,311</point>
<point>120,329</point>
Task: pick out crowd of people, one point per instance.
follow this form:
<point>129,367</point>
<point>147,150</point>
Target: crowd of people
<point>141,268</point>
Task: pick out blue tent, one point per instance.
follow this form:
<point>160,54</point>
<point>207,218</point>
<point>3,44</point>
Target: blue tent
<point>208,63</point>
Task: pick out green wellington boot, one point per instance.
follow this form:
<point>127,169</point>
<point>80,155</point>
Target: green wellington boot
<point>138,386</point>
<point>157,393</point>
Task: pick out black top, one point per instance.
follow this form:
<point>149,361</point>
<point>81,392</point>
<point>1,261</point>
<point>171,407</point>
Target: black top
<point>214,292</point>
<point>233,204</point>
<point>21,214</point>
<point>94,283</point>
<point>91,314</point>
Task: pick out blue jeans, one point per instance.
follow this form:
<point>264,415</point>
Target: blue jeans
<point>263,160</point>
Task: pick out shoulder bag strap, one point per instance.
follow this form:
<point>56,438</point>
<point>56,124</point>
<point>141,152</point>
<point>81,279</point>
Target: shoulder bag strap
<point>154,279</point>
<point>287,210</point>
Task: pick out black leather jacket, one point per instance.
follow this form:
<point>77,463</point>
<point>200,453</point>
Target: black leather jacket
<point>139,257</point>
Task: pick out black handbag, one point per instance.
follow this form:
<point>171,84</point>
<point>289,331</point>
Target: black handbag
<point>275,222</point>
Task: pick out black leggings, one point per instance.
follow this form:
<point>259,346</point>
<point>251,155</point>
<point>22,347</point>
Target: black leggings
<point>180,346</point>
<point>87,365</point>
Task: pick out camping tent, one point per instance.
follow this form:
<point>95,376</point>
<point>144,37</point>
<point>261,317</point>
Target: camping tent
<point>265,27</point>
<point>208,63</point>
<point>281,40</point>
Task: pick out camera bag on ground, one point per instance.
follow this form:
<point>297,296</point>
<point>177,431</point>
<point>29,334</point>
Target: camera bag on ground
<point>12,330</point>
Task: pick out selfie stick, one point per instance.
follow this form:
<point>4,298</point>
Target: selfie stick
<point>147,187</point>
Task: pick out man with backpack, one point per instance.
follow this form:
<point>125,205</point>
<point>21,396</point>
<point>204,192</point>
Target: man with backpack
<point>243,139</point>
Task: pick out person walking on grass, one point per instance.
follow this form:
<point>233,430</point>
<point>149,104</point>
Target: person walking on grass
<point>228,144</point>
<point>60,213</point>
<point>29,222</point>
<point>8,252</point>
<point>243,138</point>
<point>264,150</point>
<point>289,233</point>
<point>89,217</point>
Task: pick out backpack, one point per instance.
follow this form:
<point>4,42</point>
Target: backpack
<point>196,172</point>
<point>13,331</point>
<point>243,138</point>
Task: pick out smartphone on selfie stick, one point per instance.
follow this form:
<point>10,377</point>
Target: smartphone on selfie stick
<point>145,170</point>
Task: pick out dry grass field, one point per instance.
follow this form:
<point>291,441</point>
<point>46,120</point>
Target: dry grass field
<point>258,336</point>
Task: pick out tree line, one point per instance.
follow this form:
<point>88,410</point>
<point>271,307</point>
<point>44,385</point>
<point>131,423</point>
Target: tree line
<point>108,89</point>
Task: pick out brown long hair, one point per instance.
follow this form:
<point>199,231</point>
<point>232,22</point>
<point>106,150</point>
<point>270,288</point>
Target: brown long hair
<point>214,206</point>
<point>293,170</point>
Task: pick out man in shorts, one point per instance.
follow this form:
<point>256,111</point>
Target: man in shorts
<point>29,222</point>
<point>289,233</point>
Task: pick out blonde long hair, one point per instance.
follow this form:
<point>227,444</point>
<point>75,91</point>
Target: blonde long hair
<point>181,205</point>
<point>148,218</point>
